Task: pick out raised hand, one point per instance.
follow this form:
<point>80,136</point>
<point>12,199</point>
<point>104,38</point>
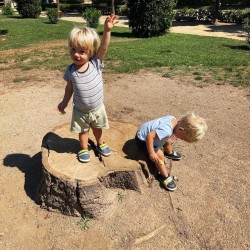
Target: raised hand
<point>110,22</point>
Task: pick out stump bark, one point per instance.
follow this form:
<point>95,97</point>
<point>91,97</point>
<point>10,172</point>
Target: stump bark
<point>74,188</point>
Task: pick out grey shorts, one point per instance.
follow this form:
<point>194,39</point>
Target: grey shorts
<point>84,120</point>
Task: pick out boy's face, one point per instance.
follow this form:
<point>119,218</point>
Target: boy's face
<point>79,55</point>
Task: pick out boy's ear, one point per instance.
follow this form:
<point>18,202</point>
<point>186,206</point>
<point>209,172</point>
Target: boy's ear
<point>181,128</point>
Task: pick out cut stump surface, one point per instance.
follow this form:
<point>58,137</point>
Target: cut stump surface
<point>75,188</point>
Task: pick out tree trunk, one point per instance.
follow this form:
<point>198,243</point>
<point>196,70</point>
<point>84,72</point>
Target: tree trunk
<point>75,188</point>
<point>58,6</point>
<point>113,6</point>
<point>217,8</point>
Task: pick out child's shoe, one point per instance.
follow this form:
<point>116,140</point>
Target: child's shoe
<point>175,156</point>
<point>83,155</point>
<point>168,182</point>
<point>103,149</point>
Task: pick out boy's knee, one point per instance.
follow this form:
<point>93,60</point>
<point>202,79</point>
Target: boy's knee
<point>160,154</point>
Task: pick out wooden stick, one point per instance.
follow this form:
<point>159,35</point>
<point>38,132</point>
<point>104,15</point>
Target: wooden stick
<point>170,166</point>
<point>172,204</point>
<point>150,235</point>
<point>181,191</point>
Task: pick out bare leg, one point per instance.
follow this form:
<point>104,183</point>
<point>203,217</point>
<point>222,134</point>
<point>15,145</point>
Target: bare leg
<point>98,135</point>
<point>161,166</point>
<point>83,139</point>
<point>168,147</point>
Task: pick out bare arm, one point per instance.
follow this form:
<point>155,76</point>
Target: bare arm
<point>108,25</point>
<point>67,96</point>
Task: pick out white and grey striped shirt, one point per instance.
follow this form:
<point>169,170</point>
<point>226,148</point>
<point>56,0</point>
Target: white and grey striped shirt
<point>87,86</point>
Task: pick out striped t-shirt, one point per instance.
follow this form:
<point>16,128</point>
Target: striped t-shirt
<point>87,86</point>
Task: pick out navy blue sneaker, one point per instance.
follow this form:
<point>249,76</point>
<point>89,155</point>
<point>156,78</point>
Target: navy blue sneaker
<point>83,155</point>
<point>175,156</point>
<point>168,183</point>
<point>103,149</point>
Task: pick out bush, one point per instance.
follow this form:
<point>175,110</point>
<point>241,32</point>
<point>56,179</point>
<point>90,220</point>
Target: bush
<point>148,18</point>
<point>247,29</point>
<point>46,6</point>
<point>53,15</point>
<point>92,16</point>
<point>73,7</point>
<point>207,14</point>
<point>108,2</point>
<point>122,10</point>
<point>202,14</point>
<point>71,1</point>
<point>224,3</point>
<point>29,8</point>
<point>7,10</point>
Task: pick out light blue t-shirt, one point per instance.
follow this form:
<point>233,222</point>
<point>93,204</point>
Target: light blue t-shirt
<point>162,126</point>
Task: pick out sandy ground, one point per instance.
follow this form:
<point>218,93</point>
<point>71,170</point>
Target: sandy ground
<point>211,208</point>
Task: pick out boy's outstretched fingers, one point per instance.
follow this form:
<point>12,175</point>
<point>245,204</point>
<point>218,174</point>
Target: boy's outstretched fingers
<point>112,18</point>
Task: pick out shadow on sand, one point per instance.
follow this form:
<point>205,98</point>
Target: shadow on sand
<point>134,152</point>
<point>32,169</point>
<point>32,166</point>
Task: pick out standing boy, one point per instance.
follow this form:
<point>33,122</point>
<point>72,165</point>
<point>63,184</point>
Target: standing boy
<point>85,83</point>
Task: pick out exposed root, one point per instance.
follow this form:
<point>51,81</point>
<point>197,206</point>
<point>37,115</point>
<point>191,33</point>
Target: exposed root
<point>150,235</point>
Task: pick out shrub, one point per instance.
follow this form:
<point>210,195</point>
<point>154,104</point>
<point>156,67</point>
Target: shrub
<point>122,10</point>
<point>73,8</point>
<point>29,8</point>
<point>7,10</point>
<point>247,29</point>
<point>207,14</point>
<point>108,2</point>
<point>92,16</point>
<point>148,18</point>
<point>45,5</point>
<point>53,15</point>
<point>71,1</point>
<point>235,16</point>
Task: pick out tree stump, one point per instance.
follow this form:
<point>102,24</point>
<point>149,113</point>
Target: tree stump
<point>74,188</point>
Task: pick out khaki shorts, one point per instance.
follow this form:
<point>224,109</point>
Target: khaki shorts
<point>83,120</point>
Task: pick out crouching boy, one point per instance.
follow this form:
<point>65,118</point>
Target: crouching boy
<point>158,133</point>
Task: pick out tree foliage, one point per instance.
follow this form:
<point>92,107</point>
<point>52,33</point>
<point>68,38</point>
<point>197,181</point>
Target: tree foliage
<point>148,18</point>
<point>29,8</point>
<point>212,2</point>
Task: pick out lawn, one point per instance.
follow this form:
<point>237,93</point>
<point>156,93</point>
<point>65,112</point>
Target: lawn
<point>34,43</point>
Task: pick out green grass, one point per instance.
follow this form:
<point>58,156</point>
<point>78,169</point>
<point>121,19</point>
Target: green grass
<point>24,32</point>
<point>121,197</point>
<point>84,221</point>
<point>206,60</point>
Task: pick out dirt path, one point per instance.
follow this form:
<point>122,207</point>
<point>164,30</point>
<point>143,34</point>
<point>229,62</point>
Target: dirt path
<point>211,209</point>
<point>227,30</point>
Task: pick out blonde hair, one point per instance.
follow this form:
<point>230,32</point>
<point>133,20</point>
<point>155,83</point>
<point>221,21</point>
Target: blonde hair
<point>194,126</point>
<point>84,37</point>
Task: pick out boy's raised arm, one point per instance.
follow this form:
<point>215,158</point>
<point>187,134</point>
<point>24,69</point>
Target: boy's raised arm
<point>108,25</point>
